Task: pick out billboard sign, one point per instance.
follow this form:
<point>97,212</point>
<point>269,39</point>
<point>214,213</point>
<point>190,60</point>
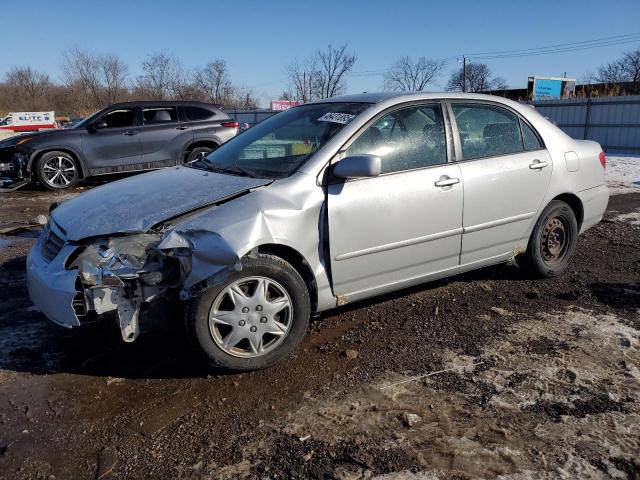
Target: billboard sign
<point>550,88</point>
<point>283,104</point>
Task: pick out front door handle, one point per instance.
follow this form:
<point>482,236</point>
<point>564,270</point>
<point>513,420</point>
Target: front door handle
<point>537,165</point>
<point>130,133</point>
<point>182,127</point>
<point>446,181</point>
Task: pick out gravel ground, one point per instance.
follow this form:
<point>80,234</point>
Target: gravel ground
<point>484,375</point>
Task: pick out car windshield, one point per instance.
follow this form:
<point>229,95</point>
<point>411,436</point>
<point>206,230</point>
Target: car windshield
<point>82,123</point>
<point>276,147</point>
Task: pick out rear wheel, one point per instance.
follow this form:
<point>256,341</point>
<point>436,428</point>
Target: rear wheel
<point>57,170</point>
<point>197,153</point>
<point>254,319</point>
<point>553,240</point>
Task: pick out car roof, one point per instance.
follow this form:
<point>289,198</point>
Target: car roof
<point>164,103</point>
<point>378,97</point>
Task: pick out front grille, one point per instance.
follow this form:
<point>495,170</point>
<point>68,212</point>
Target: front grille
<point>51,244</point>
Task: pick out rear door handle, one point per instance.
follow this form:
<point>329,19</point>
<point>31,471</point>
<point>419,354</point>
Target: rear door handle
<point>130,133</point>
<point>537,165</point>
<point>182,127</point>
<point>446,181</point>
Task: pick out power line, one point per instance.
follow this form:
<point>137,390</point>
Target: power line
<point>559,45</point>
<point>529,52</point>
<point>568,47</point>
<point>557,50</point>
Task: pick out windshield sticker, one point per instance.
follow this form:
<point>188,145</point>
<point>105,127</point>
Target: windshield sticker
<point>342,118</point>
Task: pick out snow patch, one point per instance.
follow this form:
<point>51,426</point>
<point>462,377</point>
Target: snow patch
<point>623,174</point>
<point>632,217</point>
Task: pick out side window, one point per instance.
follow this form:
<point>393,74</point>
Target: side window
<point>159,115</point>
<point>119,118</point>
<point>413,137</point>
<point>198,113</point>
<point>486,130</point>
<point>531,140</point>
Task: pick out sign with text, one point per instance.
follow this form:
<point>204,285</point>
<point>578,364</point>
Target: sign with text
<point>283,104</point>
<point>551,88</point>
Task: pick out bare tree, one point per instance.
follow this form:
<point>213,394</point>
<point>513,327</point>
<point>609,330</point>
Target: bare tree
<point>631,65</point>
<point>114,73</point>
<point>333,64</point>
<point>322,75</point>
<point>81,73</point>
<point>241,98</point>
<point>612,72</point>
<point>214,81</point>
<point>408,76</point>
<point>162,78</point>
<point>499,83</point>
<point>29,84</point>
<point>478,79</point>
<point>625,69</point>
<point>302,75</point>
<point>98,80</point>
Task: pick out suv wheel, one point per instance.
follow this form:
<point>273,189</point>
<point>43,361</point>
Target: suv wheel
<point>254,319</point>
<point>553,240</point>
<point>197,153</point>
<point>57,170</point>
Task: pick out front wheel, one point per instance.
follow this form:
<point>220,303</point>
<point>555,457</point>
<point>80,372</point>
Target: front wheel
<point>553,240</point>
<point>254,319</point>
<point>57,170</point>
<point>198,153</point>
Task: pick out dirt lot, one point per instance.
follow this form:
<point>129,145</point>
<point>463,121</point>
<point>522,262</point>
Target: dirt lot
<point>485,375</point>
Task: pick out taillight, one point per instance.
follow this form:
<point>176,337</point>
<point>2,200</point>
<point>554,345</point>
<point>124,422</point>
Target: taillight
<point>231,124</point>
<point>603,159</point>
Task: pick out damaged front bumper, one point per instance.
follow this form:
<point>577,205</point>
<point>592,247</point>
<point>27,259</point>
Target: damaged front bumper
<point>52,288</point>
<point>13,169</point>
<point>69,282</point>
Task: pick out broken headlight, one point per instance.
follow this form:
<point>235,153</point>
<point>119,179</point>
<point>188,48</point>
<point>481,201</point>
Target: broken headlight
<point>113,261</point>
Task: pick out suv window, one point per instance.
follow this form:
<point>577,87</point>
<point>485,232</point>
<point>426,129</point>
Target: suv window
<point>487,130</point>
<point>199,113</point>
<point>531,140</point>
<point>153,115</point>
<point>119,118</point>
<point>413,137</point>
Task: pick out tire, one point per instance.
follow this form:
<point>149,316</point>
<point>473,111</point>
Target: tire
<point>553,241</point>
<point>226,342</point>
<point>197,153</point>
<point>57,170</point>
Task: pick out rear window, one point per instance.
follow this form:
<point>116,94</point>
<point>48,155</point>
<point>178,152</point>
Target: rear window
<point>531,140</point>
<point>159,115</point>
<point>487,130</point>
<point>199,113</point>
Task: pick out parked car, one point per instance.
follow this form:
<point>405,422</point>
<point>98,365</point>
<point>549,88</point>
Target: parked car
<point>124,137</point>
<point>324,204</point>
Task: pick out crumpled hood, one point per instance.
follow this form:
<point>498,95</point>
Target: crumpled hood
<point>137,203</point>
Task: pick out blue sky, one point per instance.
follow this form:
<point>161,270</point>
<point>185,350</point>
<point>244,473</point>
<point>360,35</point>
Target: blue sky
<point>257,38</point>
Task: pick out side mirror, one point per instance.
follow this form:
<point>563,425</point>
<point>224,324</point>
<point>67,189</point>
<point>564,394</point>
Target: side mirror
<point>99,125</point>
<point>358,166</point>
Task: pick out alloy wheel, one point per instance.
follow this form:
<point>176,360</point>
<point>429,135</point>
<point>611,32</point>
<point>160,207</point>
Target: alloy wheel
<point>59,171</point>
<point>251,317</point>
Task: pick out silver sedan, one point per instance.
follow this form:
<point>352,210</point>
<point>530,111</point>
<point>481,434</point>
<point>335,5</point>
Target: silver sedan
<point>322,205</point>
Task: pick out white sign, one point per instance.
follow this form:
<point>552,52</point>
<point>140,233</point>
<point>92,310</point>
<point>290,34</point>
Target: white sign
<point>334,117</point>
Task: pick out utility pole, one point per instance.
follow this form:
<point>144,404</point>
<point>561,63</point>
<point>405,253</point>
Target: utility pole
<point>464,72</point>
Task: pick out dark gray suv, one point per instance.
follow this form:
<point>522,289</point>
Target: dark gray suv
<point>124,137</point>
